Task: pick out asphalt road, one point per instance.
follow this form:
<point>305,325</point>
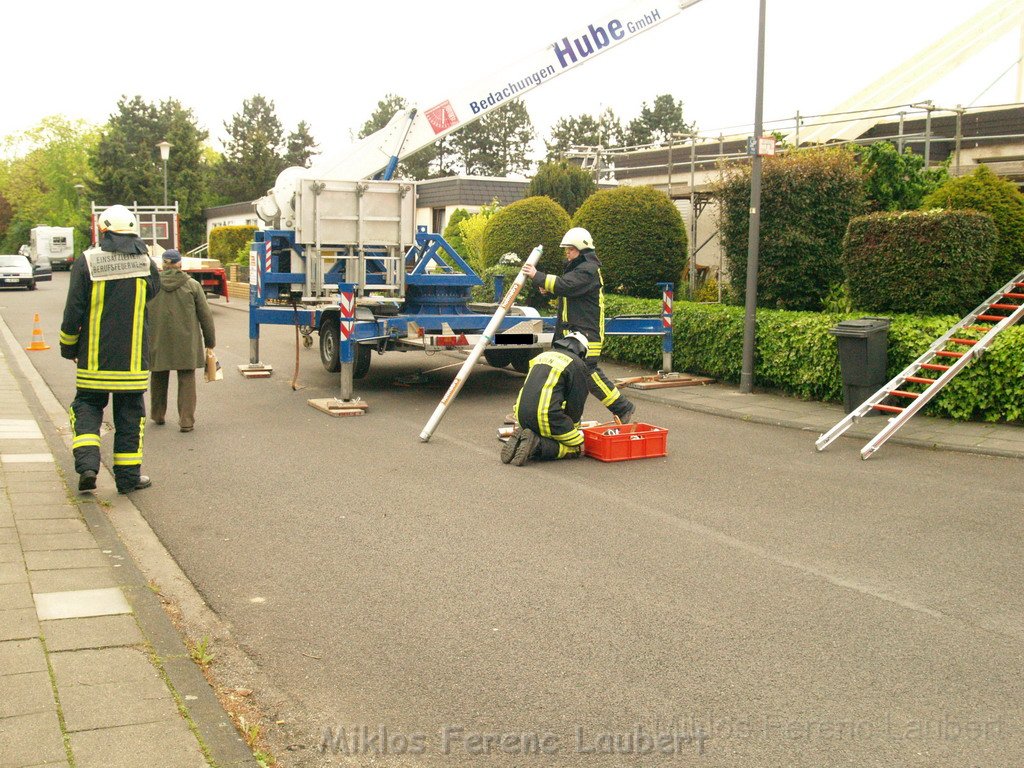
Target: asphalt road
<point>745,601</point>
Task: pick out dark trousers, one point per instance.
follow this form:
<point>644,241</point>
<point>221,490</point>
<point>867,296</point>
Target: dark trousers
<point>159,386</point>
<point>604,390</point>
<point>129,425</point>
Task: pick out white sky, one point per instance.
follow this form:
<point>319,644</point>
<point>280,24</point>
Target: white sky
<point>329,63</point>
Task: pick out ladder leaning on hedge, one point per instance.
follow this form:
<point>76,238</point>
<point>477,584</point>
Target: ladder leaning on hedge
<point>982,320</point>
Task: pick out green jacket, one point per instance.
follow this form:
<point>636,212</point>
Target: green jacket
<point>181,323</point>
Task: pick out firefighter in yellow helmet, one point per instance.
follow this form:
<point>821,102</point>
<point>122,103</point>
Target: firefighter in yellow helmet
<point>550,405</point>
<point>580,293</point>
<point>104,331</point>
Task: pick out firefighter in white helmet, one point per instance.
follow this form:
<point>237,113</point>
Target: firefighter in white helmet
<point>104,331</point>
<point>550,405</point>
<point>580,293</point>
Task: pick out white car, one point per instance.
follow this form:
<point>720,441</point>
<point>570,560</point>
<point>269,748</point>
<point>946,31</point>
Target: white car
<point>16,270</point>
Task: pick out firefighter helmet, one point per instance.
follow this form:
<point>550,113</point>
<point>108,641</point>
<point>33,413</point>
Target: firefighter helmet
<point>577,238</point>
<point>118,219</point>
<point>574,342</point>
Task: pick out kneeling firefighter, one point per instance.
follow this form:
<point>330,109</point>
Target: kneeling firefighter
<point>550,404</point>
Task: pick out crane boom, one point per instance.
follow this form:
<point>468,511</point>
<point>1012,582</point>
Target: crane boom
<point>413,129</point>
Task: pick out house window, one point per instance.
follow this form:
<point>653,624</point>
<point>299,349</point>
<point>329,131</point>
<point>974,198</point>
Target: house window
<point>437,220</point>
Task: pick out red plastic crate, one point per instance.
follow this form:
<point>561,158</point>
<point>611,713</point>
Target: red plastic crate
<point>627,441</point>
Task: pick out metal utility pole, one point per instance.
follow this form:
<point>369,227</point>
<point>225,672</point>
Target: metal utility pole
<point>753,242</point>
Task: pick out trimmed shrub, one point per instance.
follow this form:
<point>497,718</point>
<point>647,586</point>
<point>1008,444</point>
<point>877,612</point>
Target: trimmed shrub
<point>453,231</point>
<point>521,227</point>
<point>566,183</point>
<point>639,237</point>
<point>227,242</point>
<point>472,231</point>
<point>807,199</point>
<point>984,191</point>
<point>796,355</point>
<point>923,262</point>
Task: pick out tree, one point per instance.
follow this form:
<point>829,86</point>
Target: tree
<point>497,144</point>
<point>253,154</point>
<point>300,146</point>
<point>984,191</point>
<point>639,236</point>
<point>128,167</point>
<point>658,122</point>
<point>37,184</point>
<point>894,181</point>
<point>583,131</point>
<point>807,200</point>
<point>567,184</point>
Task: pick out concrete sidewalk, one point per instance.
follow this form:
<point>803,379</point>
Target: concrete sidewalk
<point>1006,440</point>
<point>92,672</point>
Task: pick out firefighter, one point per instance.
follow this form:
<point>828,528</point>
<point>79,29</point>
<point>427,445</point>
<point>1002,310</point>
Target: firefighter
<point>550,404</point>
<point>104,331</point>
<point>580,294</point>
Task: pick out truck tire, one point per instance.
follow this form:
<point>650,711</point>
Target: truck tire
<point>330,338</point>
<point>498,358</point>
<point>330,343</point>
<point>520,359</point>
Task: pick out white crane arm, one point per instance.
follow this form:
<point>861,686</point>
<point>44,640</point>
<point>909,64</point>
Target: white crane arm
<point>413,129</point>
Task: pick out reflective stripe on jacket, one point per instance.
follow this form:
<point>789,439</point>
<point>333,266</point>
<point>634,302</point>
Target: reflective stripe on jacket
<point>553,395</point>
<point>580,292</point>
<point>104,327</point>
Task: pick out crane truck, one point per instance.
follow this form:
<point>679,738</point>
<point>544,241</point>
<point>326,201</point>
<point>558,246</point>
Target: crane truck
<point>340,254</point>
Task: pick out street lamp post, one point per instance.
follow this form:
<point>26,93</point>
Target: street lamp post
<point>165,152</point>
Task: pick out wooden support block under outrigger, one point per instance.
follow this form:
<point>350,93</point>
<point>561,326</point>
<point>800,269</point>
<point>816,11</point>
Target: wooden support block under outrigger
<point>332,406</point>
<point>663,380</point>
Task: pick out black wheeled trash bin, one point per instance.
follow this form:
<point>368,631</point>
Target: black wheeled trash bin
<point>863,357</point>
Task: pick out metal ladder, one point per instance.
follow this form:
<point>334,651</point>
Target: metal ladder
<point>983,320</point>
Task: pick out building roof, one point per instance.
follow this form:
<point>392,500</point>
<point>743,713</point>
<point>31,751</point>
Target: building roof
<point>468,190</point>
<point>231,209</point>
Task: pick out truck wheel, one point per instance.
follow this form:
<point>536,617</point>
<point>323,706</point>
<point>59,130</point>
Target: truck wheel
<point>330,336</point>
<point>521,358</point>
<point>361,367</point>
<point>496,357</point>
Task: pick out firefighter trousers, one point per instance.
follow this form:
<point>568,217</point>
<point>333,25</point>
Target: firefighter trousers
<point>129,424</point>
<point>605,390</point>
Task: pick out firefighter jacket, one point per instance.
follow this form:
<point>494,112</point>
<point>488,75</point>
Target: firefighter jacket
<point>580,293</point>
<point>553,395</point>
<point>104,325</point>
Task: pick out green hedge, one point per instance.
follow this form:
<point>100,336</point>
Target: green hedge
<point>797,356</point>
<point>984,191</point>
<point>225,242</point>
<point>930,262</point>
<point>639,237</point>
<point>807,198</point>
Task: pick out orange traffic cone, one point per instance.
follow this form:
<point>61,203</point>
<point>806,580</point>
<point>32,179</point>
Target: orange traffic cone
<point>38,342</point>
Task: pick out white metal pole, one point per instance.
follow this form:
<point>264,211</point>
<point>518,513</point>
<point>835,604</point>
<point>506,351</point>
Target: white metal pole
<point>485,339</point>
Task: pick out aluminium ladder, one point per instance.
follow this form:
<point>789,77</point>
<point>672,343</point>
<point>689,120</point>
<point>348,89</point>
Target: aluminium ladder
<point>982,320</point>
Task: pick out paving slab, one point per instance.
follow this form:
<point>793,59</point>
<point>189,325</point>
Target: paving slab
<point>20,656</point>
<point>57,525</point>
<point>8,535</point>
<point>26,458</point>
<point>80,603</point>
<point>26,694</point>
<point>49,541</point>
<point>71,558</point>
<point>109,705</point>
<point>95,667</point>
<point>68,579</point>
<point>35,498</point>
<point>16,595</point>
<point>10,553</point>
<point>13,573</point>
<point>93,632</point>
<point>45,511</point>
<point>18,624</point>
<point>29,740</point>
<point>168,744</point>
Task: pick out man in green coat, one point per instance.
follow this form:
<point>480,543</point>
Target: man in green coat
<point>181,327</point>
